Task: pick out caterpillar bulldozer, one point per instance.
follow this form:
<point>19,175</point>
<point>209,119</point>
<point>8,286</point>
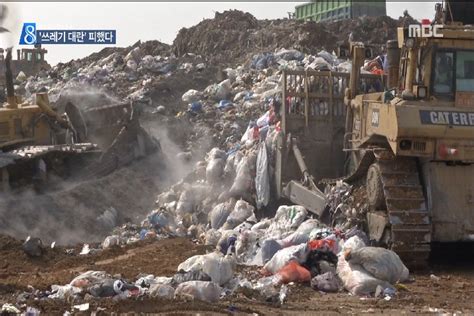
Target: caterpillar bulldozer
<point>411,143</point>
<point>41,147</point>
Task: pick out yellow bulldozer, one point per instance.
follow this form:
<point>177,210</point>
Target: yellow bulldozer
<point>411,143</point>
<point>41,147</point>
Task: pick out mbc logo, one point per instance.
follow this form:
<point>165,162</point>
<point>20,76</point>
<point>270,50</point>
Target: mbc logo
<point>426,30</point>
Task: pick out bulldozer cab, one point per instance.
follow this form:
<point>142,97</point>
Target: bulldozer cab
<point>438,67</point>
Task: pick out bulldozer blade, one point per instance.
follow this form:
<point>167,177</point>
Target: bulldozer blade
<point>314,200</point>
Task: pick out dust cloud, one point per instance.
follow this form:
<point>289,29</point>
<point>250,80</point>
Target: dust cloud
<point>85,211</point>
<point>179,161</point>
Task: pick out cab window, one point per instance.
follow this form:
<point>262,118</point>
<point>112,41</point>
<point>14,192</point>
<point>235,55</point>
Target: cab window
<point>443,83</point>
<point>465,71</point>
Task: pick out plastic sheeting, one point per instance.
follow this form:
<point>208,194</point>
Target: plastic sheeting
<point>262,179</point>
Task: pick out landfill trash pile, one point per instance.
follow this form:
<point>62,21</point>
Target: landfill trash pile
<point>133,73</point>
<point>154,75</point>
<point>220,204</point>
<point>198,108</point>
<point>288,249</point>
<point>234,35</point>
<point>240,116</point>
<point>144,72</point>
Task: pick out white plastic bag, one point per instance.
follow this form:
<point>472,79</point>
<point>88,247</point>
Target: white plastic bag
<point>295,238</point>
<point>214,170</point>
<point>89,278</point>
<point>229,168</point>
<point>247,224</point>
<point>285,255</point>
<point>327,282</point>
<point>191,96</point>
<point>382,263</point>
<point>263,224</point>
<point>356,280</point>
<point>218,267</point>
<point>262,179</point>
<point>200,290</point>
<point>242,211</point>
<point>134,54</point>
<point>291,216</point>
<point>131,64</point>
<point>264,120</point>
<point>223,89</point>
<point>162,290</point>
<point>212,237</point>
<point>240,95</point>
<point>216,153</point>
<point>269,248</point>
<point>225,242</point>
<point>353,243</point>
<point>185,203</point>
<point>218,215</point>
<point>149,62</point>
<point>63,291</point>
<point>110,241</point>
<point>248,135</point>
<point>308,225</point>
<point>318,64</point>
<point>327,56</point>
<point>243,180</point>
<point>246,245</point>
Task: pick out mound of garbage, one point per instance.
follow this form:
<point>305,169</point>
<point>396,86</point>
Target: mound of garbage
<point>231,36</point>
<point>133,73</point>
<point>289,248</point>
<point>153,73</point>
<point>222,203</point>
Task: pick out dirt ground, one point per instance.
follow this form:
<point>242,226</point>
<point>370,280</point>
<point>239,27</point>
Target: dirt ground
<point>453,292</point>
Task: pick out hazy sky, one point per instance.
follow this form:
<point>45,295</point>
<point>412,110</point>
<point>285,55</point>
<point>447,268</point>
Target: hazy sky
<point>149,20</point>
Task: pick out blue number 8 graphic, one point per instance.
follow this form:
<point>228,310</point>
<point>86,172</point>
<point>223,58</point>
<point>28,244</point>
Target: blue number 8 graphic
<point>28,34</point>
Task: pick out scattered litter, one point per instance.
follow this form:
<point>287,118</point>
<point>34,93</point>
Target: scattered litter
<point>294,272</point>
<point>10,308</point>
<point>31,311</point>
<point>327,282</point>
<point>435,278</point>
<point>283,293</point>
<point>33,247</point>
<point>85,250</point>
<point>81,307</point>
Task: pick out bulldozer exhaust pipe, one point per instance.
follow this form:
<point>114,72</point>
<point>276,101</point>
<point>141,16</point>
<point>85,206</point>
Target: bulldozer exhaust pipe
<point>393,62</point>
<point>9,80</point>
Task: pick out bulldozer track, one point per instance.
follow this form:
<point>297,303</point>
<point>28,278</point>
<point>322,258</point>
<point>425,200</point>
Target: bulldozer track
<point>408,216</point>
